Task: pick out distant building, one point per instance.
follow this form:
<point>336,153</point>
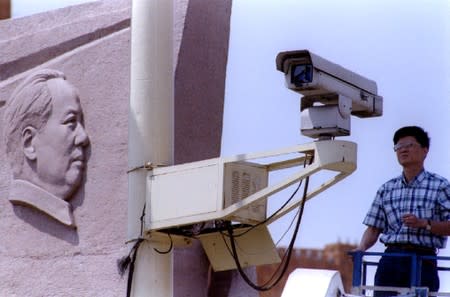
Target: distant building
<point>333,256</point>
<point>5,9</point>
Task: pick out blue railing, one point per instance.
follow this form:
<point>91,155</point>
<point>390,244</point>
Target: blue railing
<point>360,267</point>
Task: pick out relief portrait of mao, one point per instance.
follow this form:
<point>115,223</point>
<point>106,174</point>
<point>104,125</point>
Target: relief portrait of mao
<point>46,144</point>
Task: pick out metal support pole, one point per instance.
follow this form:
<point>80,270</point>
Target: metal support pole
<point>421,292</point>
<point>357,266</point>
<point>150,136</point>
<point>414,271</point>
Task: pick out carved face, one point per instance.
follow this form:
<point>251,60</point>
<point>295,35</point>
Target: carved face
<point>60,146</point>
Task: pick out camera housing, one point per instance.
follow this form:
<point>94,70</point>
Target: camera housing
<point>331,93</point>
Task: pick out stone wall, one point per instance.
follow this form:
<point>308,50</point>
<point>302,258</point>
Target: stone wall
<point>38,255</point>
<point>90,43</point>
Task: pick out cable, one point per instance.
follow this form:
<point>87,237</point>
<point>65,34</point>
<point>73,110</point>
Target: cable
<point>131,269</point>
<point>281,208</point>
<point>169,249</point>
<point>287,229</point>
<point>288,252</point>
<point>254,226</point>
<point>272,215</point>
<point>286,257</point>
<point>142,219</point>
<point>128,261</point>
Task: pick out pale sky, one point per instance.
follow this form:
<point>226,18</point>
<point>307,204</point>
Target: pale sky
<point>402,45</point>
<point>20,8</point>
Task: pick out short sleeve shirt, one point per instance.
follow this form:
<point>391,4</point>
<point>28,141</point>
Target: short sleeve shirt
<point>427,196</point>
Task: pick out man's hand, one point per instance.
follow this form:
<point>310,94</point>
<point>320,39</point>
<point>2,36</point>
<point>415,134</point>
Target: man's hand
<point>410,220</point>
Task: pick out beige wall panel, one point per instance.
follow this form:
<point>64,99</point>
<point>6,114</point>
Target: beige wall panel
<point>90,43</point>
<point>38,255</point>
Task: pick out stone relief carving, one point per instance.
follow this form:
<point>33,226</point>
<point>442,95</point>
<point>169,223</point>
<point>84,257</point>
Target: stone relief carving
<point>46,144</point>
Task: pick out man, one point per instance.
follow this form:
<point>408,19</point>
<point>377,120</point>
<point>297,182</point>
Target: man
<point>45,144</point>
<point>412,214</point>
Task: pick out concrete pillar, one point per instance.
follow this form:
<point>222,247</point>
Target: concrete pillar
<point>150,131</point>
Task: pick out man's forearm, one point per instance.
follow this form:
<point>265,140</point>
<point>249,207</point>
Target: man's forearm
<point>440,228</point>
<point>369,238</point>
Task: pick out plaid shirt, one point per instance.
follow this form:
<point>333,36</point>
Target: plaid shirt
<point>427,196</point>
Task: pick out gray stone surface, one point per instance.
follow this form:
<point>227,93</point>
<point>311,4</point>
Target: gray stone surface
<point>39,256</point>
<point>90,43</point>
<point>45,36</point>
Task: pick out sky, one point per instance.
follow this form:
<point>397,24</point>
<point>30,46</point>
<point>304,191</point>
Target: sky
<point>21,8</point>
<point>402,45</point>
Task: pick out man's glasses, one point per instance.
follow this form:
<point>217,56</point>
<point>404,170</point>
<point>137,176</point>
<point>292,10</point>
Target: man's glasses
<point>406,145</point>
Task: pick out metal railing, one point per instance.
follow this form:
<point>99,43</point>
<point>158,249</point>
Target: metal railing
<point>360,269</point>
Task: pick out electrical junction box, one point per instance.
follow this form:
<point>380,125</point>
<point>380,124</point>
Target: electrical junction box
<point>240,181</point>
<point>196,192</point>
<point>236,189</point>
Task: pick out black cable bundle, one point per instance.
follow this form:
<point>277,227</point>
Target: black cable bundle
<point>286,257</point>
<point>128,262</point>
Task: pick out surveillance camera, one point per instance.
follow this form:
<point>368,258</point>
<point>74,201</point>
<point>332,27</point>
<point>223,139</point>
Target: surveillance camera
<point>331,93</point>
<point>318,80</point>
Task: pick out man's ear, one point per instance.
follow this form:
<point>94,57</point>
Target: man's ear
<point>27,142</point>
<point>426,153</point>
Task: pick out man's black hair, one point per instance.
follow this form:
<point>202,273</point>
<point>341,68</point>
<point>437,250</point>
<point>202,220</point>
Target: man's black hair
<point>418,133</point>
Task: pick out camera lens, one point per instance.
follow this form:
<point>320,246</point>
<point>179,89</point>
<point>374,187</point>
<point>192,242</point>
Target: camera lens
<point>301,74</point>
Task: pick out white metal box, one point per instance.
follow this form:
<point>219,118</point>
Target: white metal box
<point>197,191</point>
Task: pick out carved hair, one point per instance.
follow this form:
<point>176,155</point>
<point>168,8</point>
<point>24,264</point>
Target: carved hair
<point>29,105</point>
